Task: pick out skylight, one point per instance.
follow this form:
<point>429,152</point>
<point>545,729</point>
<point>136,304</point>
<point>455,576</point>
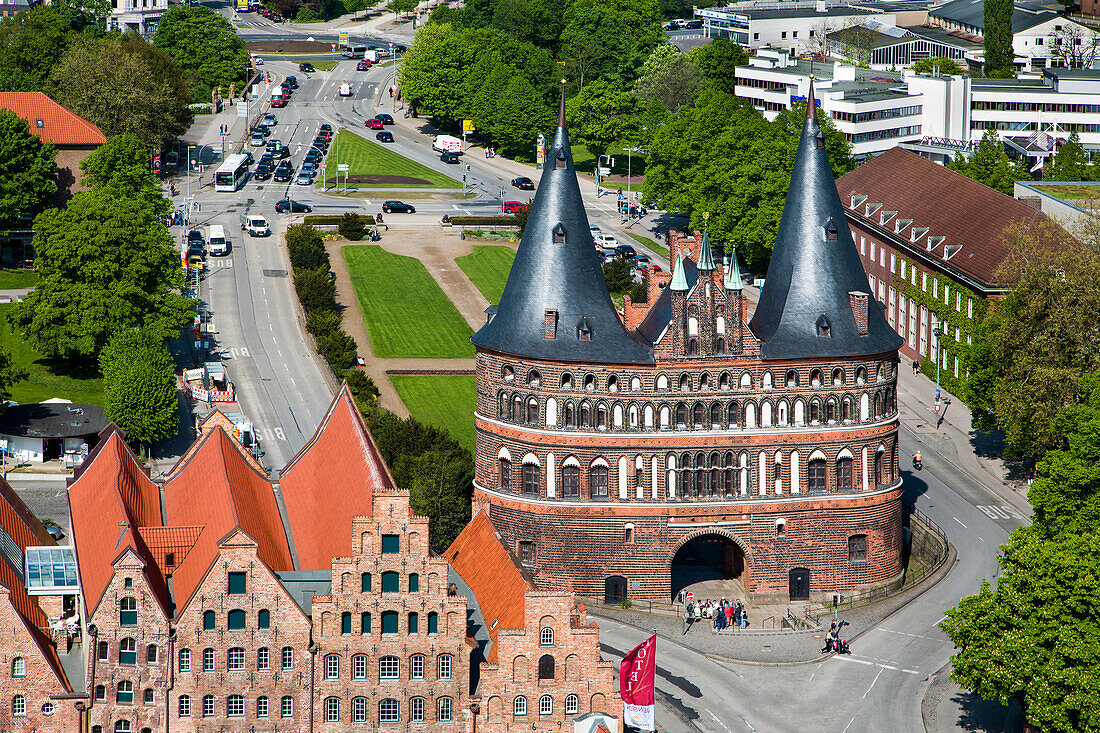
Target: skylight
<point>51,571</point>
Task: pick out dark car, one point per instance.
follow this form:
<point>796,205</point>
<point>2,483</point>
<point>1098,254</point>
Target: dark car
<point>385,119</point>
<point>262,173</point>
<point>283,174</point>
<point>449,157</point>
<point>281,153</point>
<point>291,81</point>
<point>292,206</point>
<point>275,18</point>
<point>321,144</point>
<point>313,156</point>
<point>524,183</point>
<point>264,129</point>
<point>397,207</point>
<point>385,136</point>
<point>694,24</point>
<point>363,65</point>
<point>194,237</point>
<point>325,126</point>
<point>307,68</point>
<point>625,251</point>
<point>267,159</point>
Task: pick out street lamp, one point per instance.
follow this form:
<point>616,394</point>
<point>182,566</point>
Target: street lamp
<point>938,333</point>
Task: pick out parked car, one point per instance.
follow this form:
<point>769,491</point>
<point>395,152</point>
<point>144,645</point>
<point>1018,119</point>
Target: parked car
<point>275,18</point>
<point>270,119</point>
<point>257,140</point>
<point>606,240</point>
<point>291,81</point>
<point>267,159</point>
<point>313,156</point>
<point>594,230</point>
<point>374,123</point>
<point>449,157</point>
<point>293,207</point>
<point>321,144</point>
<point>310,169</point>
<point>303,179</point>
<point>363,65</point>
<point>307,68</point>
<point>514,207</point>
<point>523,183</point>
<point>384,137</point>
<point>693,24</point>
<point>397,207</point>
<point>194,237</point>
<point>626,251</point>
<point>608,255</point>
<point>384,118</point>
<point>641,263</point>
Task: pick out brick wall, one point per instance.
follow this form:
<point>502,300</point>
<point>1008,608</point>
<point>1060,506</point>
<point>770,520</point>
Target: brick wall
<point>37,683</point>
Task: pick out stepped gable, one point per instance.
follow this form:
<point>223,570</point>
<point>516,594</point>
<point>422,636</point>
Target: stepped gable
<point>808,305</point>
<point>26,531</point>
<point>479,556</point>
<point>216,488</point>
<point>330,481</point>
<point>109,501</point>
<point>555,304</point>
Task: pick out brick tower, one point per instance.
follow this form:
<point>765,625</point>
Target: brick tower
<point>632,456</point>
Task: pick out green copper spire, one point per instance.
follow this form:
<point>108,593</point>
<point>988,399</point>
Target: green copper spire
<point>733,273</point>
<point>679,279</point>
<point>706,257</point>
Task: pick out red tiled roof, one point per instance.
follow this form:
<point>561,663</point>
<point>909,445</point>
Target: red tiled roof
<point>108,501</point>
<point>27,531</point>
<point>164,540</point>
<point>479,556</point>
<point>217,489</point>
<point>331,480</point>
<point>59,125</point>
<point>951,205</point>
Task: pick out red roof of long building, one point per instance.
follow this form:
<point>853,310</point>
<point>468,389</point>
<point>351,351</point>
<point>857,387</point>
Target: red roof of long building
<point>331,480</point>
<point>110,499</point>
<point>26,531</point>
<point>58,125</point>
<point>219,490</point>
<point>479,556</point>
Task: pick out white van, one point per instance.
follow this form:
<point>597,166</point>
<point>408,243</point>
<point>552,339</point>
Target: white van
<point>447,144</point>
<point>255,225</point>
<point>217,245</point>
<point>345,90</point>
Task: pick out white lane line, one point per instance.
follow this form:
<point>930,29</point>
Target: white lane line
<point>881,665</point>
<point>981,538</point>
<point>957,520</point>
<point>719,721</point>
<point>849,724</point>
<point>857,661</point>
<point>937,624</point>
<point>906,633</point>
<point>872,686</point>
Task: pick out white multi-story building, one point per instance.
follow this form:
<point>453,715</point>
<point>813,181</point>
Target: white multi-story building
<point>136,16</point>
<point>797,28</point>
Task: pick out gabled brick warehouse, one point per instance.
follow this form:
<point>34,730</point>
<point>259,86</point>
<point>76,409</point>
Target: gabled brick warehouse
<point>688,441</point>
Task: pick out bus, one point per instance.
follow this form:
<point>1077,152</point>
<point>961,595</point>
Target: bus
<point>231,175</point>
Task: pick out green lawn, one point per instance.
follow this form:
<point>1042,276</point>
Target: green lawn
<point>46,379</point>
<point>366,157</point>
<point>487,267</point>
<point>406,312</point>
<point>328,65</point>
<point>446,401</point>
<point>651,244</point>
<point>17,279</point>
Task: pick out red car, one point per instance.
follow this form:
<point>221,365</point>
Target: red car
<point>374,123</point>
<point>513,207</point>
<point>363,65</point>
<point>326,134</point>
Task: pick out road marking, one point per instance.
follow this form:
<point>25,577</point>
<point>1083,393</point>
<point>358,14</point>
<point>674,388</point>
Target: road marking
<point>871,687</point>
<point>937,624</point>
<point>906,633</point>
<point>890,667</point>
<point>980,538</point>
<point>857,661</point>
<point>850,723</point>
<point>719,721</point>
<point>957,520</point>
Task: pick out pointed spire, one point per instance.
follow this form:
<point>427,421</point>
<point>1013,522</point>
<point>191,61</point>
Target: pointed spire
<point>561,106</point>
<point>811,109</point>
<point>733,273</point>
<point>706,257</point>
<point>679,279</point>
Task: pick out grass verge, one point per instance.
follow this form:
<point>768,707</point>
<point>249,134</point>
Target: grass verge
<point>47,378</point>
<point>392,170</point>
<point>406,313</point>
<point>328,65</point>
<point>487,267</point>
<point>16,279</point>
<point>446,401</point>
<point>649,244</point>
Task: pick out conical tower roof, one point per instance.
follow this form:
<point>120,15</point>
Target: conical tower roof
<point>815,270</point>
<point>557,269</point>
<point>733,273</point>
<point>679,279</point>
<point>706,256</point>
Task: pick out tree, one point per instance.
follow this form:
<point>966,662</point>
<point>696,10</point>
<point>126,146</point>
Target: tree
<point>28,174</point>
<point>363,389</point>
<point>1071,163</point>
<point>618,276</point>
<point>431,75</point>
<point>139,385</point>
<point>718,61</point>
<point>942,64</point>
<point>997,34</point>
<point>989,164</point>
<point>107,264</point>
<point>31,41</point>
<point>854,43</point>
<point>123,167</point>
<point>399,7</point>
<point>315,290</point>
<point>521,114</point>
<point>1074,44</point>
<point>124,87</point>
<point>438,482</point>
<point>352,226</point>
<point>204,45</point>
<point>305,248</point>
<point>338,349</point>
<point>595,41</point>
<point>669,76</point>
<point>603,114</point>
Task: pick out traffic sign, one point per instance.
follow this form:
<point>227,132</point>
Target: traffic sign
<point>342,167</point>
<point>689,596</point>
<point>322,166</point>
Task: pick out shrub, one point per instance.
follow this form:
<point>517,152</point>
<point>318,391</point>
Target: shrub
<point>639,293</point>
<point>315,290</point>
<point>362,387</point>
<point>484,221</point>
<point>306,248</point>
<point>338,349</point>
<point>352,226</point>
<point>322,322</point>
<point>322,219</point>
<point>618,276</point>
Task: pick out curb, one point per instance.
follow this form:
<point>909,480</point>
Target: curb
<point>18,477</point>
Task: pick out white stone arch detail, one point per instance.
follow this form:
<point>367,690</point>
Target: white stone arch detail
<point>799,412</point>
<point>670,475</point>
<point>720,325</point>
<point>864,407</point>
<point>743,469</point>
<point>844,453</point>
<point>662,382</point>
<point>654,471</point>
<point>746,381</point>
<point>777,479</point>
<point>665,416</point>
<point>863,467</point>
<point>762,472</point>
<point>693,326</point>
<point>818,455</point>
<point>531,459</point>
<point>504,454</point>
<point>781,416</point>
<point>796,481</point>
<point>750,415</point>
<point>622,477</point>
<point>551,477</point>
<point>571,461</point>
<point>551,412</point>
<point>598,461</point>
<point>647,417</point>
<point>617,415</point>
<point>765,414</point>
<point>767,382</point>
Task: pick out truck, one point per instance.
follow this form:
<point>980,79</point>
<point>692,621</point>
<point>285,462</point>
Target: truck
<point>370,55</point>
<point>447,144</point>
<point>255,225</point>
<point>345,90</point>
<point>278,99</point>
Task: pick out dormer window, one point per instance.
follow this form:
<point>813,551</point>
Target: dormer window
<point>886,216</point>
<point>872,208</point>
<point>39,124</point>
<point>550,324</point>
<point>918,232</point>
<point>559,233</point>
<point>830,230</point>
<point>934,242</point>
<point>584,331</point>
<point>857,200</point>
<point>560,163</point>
<point>901,224</point>
<point>820,139</point>
<point>824,329</point>
<point>951,250</point>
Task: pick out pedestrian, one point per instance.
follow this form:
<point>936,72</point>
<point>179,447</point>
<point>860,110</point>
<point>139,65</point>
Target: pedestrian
<point>729,615</point>
<point>744,619</point>
<point>916,366</point>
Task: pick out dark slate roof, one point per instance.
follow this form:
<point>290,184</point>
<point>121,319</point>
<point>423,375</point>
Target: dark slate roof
<point>810,276</point>
<point>972,13</point>
<point>52,420</point>
<point>565,277</point>
<point>660,315</point>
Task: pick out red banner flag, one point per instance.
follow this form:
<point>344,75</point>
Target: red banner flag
<point>636,683</point>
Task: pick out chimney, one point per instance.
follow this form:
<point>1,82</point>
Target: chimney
<point>550,324</point>
<point>858,300</point>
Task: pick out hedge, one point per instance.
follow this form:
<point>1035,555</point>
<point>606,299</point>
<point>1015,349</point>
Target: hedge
<point>322,219</point>
<point>484,221</point>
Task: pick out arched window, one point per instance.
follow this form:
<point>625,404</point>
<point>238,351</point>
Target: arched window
<point>857,548</point>
<point>815,475</point>
<point>389,668</point>
<point>127,611</point>
<point>414,582</point>
<point>838,377</point>
<point>693,347</point>
<point>792,379</point>
<point>720,346</point>
<point>566,380</point>
<point>746,381</point>
<point>416,667</point>
<point>127,651</point>
<point>662,383</point>
<point>546,705</point>
<point>534,378</point>
<point>517,408</point>
<point>830,411</point>
<point>332,710</point>
<point>263,619</point>
<point>332,667</point>
<point>123,726</point>
<point>444,709</point>
<point>502,405</point>
<point>635,384</point>
<point>207,660</point>
<point>724,380</point>
<point>530,478</point>
<point>532,411</point>
<point>508,373</point>
<point>185,706</point>
<point>546,636</point>
<point>571,481</point>
<point>345,622</point>
<point>685,383</point>
<point>234,706</point>
<point>861,375</point>
<point>815,412</point>
<point>815,378</point>
<point>546,667</point>
<point>445,664</point>
<point>263,658</point>
<point>570,415</point>
<point>715,415</point>
<point>612,383</point>
<point>572,704</point>
<point>844,473</point>
<point>519,706</point>
<point>589,382</point>
<point>19,706</point>
<point>124,693</point>
<point>697,415</point>
<point>208,620</point>
<point>733,414</point>
<point>359,667</point>
<point>767,380</point>
<point>236,619</point>
<point>846,409</point>
<point>505,478</point>
<point>597,481</point>
<point>19,667</point>
<point>359,710</point>
<point>586,415</point>
<point>681,414</point>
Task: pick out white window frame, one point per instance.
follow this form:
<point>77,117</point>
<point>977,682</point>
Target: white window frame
<point>389,716</point>
<point>417,711</point>
<point>288,657</point>
<point>389,668</point>
<point>286,707</point>
<point>445,709</point>
<point>332,667</point>
<point>263,658</point>
<point>263,706</point>
<point>208,663</point>
<point>546,705</point>
<point>572,704</point>
<point>444,667</point>
<point>234,706</point>
<point>234,659</point>
<point>332,710</point>
<point>208,706</point>
<point>183,706</point>
<point>519,706</point>
<point>359,667</point>
<point>417,667</point>
<point>546,636</point>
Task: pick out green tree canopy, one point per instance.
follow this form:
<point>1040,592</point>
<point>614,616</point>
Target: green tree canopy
<point>990,165</point>
<point>432,74</point>
<point>669,76</point>
<point>305,248</point>
<point>139,385</point>
<point>997,37</point>
<point>602,114</point>
<point>123,166</point>
<point>596,41</point>
<point>107,264</point>
<point>28,174</point>
<point>1071,163</point>
<point>946,66</point>
<point>124,87</point>
<point>31,41</point>
<point>520,115</point>
<point>717,62</point>
<point>204,45</point>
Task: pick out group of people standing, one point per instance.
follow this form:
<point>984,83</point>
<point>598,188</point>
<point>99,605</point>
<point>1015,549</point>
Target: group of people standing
<point>724,613</point>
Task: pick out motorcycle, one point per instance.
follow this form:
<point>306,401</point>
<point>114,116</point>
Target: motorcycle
<point>917,463</point>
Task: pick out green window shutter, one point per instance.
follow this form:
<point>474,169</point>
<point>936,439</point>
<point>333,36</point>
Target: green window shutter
<point>390,582</point>
<point>391,544</point>
<point>414,583</point>
<point>414,623</point>
<point>263,619</point>
<point>236,619</point>
<point>345,623</point>
<point>433,623</point>
<point>366,583</point>
<point>207,620</point>
<point>364,623</point>
<point>389,622</point>
<point>238,584</point>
